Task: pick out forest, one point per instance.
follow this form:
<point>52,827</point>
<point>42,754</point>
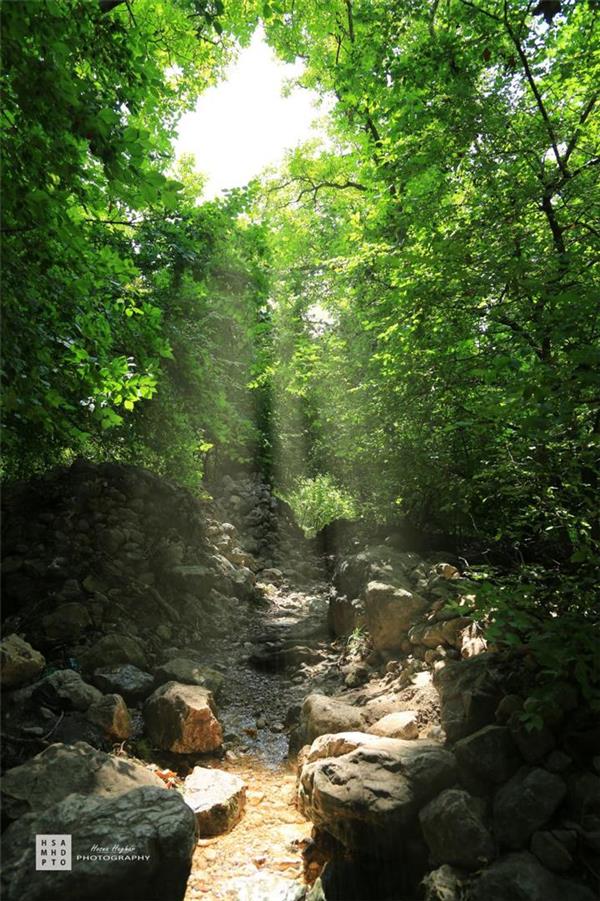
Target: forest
<point>400,327</point>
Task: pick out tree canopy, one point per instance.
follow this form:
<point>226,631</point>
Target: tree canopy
<point>406,313</point>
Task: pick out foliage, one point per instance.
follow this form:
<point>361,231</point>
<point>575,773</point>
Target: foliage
<point>318,501</point>
<point>90,212</point>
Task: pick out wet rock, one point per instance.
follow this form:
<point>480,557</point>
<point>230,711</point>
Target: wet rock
<point>65,690</point>
<point>63,769</point>
<point>154,822</point>
<point>369,798</point>
<point>488,754</point>
<point>453,826</point>
<point>182,719</point>
<point>390,612</point>
<point>131,683</point>
<point>19,662</point>
<point>217,799</point>
<point>189,672</point>
<point>111,650</point>
<point>67,622</point>
<point>521,877</point>
<point>525,804</point>
<point>402,724</point>
<point>110,713</point>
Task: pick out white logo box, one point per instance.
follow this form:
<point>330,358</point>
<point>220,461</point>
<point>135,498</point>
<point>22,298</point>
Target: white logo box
<point>53,852</point>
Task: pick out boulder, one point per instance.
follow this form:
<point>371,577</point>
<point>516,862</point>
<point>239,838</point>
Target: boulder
<point>61,770</point>
<point>488,754</point>
<point>111,650</point>
<point>525,804</point>
<point>551,852</point>
<point>19,662</point>
<point>521,877</point>
<point>470,691</point>
<point>133,684</point>
<point>534,744</point>
<point>65,690</point>
<point>110,713</point>
<point>189,672</point>
<point>153,826</point>
<point>337,744</point>
<point>390,612</point>
<point>369,798</point>
<point>402,724</point>
<point>431,635</point>
<point>344,615</point>
<point>454,830</point>
<point>217,799</point>
<point>322,715</point>
<point>182,719</point>
<point>67,622</point>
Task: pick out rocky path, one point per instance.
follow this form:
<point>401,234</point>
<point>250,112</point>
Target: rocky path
<point>280,653</point>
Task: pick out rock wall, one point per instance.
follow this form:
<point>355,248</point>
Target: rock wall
<point>449,801</point>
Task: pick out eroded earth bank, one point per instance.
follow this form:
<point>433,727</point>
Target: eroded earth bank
<point>212,706</point>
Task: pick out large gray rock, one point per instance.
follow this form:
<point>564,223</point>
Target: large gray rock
<point>19,662</point>
<point>111,650</point>
<point>369,798</point>
<point>155,823</point>
<point>189,672</point>
<point>62,769</point>
<point>454,830</point>
<point>489,754</point>
<point>521,877</point>
<point>469,691</point>
<point>131,683</point>
<point>390,612</point>
<point>381,563</point>
<point>216,797</point>
<point>322,715</point>
<point>66,690</point>
<point>67,622</point>
<point>182,719</point>
<point>525,804</point>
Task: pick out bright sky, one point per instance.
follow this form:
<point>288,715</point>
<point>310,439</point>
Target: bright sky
<point>245,124</point>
